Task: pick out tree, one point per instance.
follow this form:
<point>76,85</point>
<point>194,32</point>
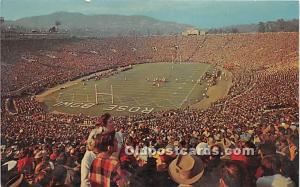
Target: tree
<point>148,32</point>
<point>57,23</point>
<point>261,27</point>
<point>281,24</point>
<point>234,30</point>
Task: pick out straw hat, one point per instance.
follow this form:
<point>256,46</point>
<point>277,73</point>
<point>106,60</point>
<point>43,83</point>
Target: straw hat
<point>186,169</point>
<point>10,164</point>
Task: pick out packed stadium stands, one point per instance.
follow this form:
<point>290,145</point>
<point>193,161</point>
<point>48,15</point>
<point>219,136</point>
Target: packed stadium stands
<point>260,109</point>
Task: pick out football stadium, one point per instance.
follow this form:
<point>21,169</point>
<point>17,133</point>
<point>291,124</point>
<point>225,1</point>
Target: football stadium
<point>131,101</point>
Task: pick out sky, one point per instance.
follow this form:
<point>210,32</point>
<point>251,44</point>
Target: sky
<point>199,13</point>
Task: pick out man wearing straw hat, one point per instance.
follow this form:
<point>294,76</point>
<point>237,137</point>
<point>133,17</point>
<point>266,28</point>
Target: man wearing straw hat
<point>186,170</point>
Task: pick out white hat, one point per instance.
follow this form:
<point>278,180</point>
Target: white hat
<point>10,164</point>
<point>186,169</point>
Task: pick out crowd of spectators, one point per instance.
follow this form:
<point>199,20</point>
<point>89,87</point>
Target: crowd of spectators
<point>260,112</point>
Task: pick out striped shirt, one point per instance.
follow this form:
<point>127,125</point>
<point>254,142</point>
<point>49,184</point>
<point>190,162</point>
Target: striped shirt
<point>104,170</point>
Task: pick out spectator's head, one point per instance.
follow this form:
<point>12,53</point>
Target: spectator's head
<point>268,148</point>
<point>217,152</point>
<point>183,144</point>
<point>25,153</point>
<point>107,119</point>
<point>104,120</point>
<point>287,169</point>
<point>232,175</point>
<point>293,140</point>
<point>100,145</point>
<point>44,178</point>
<point>42,166</point>
<point>38,157</point>
<point>59,175</point>
<point>283,142</point>
<point>269,165</point>
<point>62,159</point>
<point>276,164</point>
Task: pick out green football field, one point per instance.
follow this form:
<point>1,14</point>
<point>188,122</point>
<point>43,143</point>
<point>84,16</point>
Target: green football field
<point>133,90</point>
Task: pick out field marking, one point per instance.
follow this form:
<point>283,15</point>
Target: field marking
<point>172,103</point>
<point>119,99</point>
<point>190,92</point>
<point>73,97</point>
<point>152,102</point>
<point>136,101</point>
<point>58,97</point>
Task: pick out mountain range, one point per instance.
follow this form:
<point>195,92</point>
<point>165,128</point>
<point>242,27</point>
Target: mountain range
<point>99,25</point>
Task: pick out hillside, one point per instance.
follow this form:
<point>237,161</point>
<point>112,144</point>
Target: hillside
<point>279,25</point>
<point>99,25</point>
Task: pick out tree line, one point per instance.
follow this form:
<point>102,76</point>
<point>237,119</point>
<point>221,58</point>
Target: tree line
<point>279,25</point>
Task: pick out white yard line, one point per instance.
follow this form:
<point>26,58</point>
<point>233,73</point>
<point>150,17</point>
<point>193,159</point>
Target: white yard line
<point>172,103</point>
<point>121,102</point>
<point>137,102</point>
<point>192,89</point>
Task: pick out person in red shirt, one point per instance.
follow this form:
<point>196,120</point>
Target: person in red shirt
<point>26,162</point>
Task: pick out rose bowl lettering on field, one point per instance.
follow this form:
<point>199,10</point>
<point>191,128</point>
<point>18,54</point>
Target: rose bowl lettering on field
<point>134,109</point>
<point>117,108</point>
<point>74,105</point>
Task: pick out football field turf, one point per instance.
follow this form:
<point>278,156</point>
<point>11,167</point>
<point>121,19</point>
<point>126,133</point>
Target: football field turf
<point>133,90</point>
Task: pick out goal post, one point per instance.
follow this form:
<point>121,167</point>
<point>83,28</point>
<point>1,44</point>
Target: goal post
<point>96,96</point>
<point>111,94</point>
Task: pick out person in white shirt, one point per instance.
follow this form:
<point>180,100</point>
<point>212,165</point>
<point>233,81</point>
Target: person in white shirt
<point>276,180</point>
<point>280,169</point>
<point>86,163</point>
<point>120,140</point>
<point>103,126</point>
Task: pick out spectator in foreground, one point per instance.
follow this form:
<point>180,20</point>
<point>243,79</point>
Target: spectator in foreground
<point>277,174</point>
<point>59,176</point>
<point>101,129</point>
<point>43,179</point>
<point>186,170</point>
<point>11,177</point>
<point>232,175</point>
<point>105,169</point>
<point>26,161</point>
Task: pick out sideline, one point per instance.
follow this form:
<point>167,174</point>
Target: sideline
<point>216,92</point>
<point>191,91</point>
<point>42,96</point>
